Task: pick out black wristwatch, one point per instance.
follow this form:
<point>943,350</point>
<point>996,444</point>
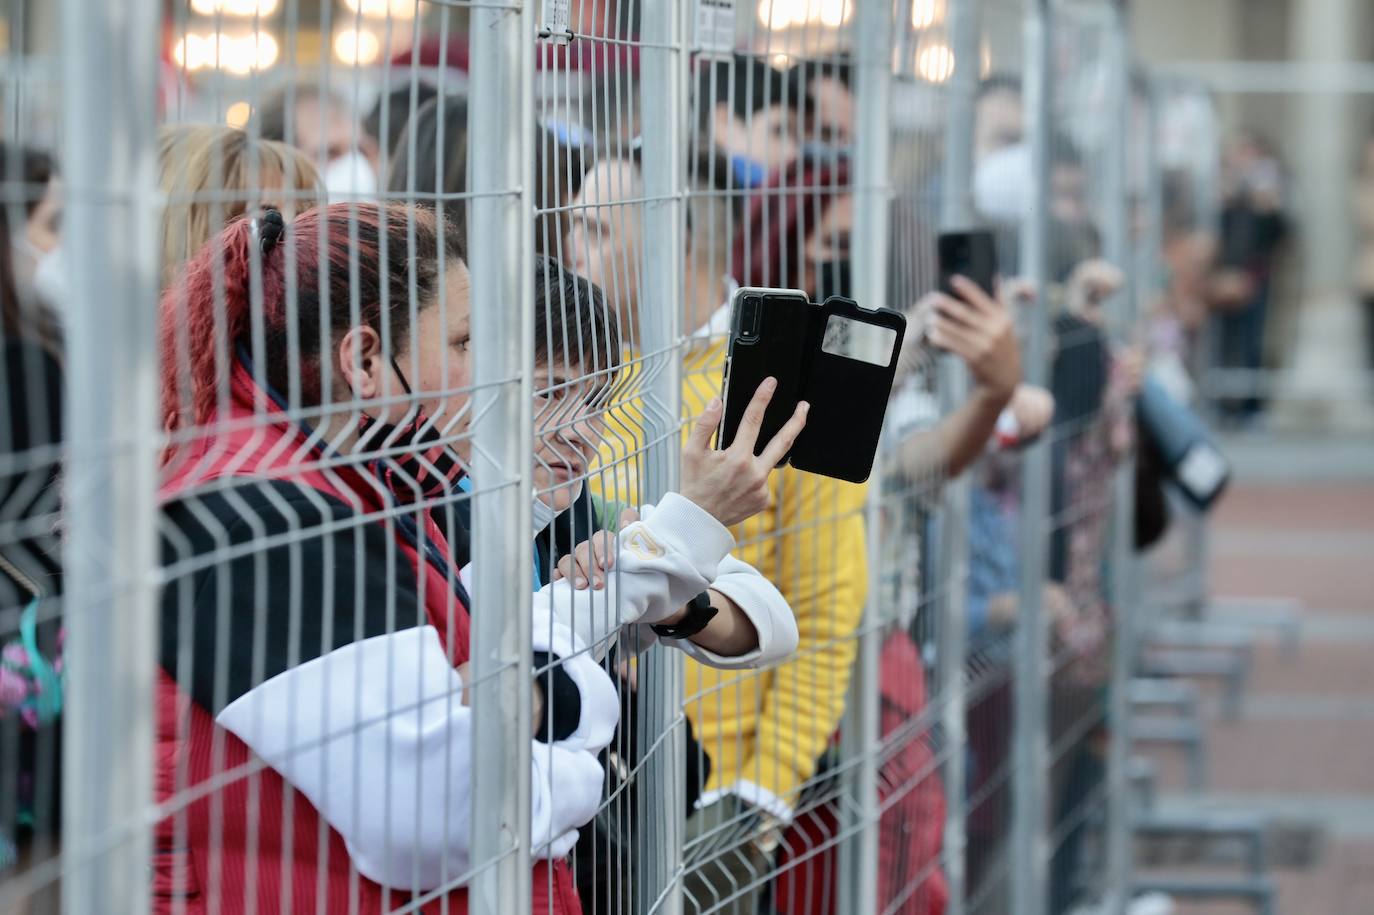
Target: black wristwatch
<point>699,614</point>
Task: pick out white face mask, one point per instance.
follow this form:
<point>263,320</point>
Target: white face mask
<point>350,176</point>
<point>1001,184</point>
<point>50,280</point>
<point>543,516</point>
<point>25,257</point>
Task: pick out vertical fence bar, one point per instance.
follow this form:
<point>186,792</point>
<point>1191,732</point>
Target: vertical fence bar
<point>858,864</point>
<point>956,203</point>
<point>109,66</point>
<point>501,113</point>
<point>956,212</point>
<point>1123,565</point>
<point>1030,751</point>
<point>663,107</point>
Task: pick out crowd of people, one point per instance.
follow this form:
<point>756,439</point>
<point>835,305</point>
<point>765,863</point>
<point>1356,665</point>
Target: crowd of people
<point>314,732</point>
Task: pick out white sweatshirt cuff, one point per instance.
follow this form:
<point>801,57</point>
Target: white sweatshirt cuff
<point>755,795</point>
<point>691,531</point>
<point>600,704</point>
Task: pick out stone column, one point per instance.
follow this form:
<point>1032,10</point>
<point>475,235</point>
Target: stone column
<point>1323,387</point>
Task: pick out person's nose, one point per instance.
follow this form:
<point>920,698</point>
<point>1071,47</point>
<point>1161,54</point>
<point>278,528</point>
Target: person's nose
<point>582,432</point>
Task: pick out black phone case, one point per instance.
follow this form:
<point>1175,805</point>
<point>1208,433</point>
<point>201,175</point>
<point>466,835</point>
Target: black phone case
<point>784,333</point>
<point>971,254</point>
<point>848,397</point>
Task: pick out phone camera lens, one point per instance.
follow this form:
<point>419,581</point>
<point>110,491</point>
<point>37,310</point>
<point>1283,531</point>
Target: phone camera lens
<point>749,319</point>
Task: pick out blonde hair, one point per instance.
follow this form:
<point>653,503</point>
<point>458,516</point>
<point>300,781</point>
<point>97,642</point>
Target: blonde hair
<point>211,175</point>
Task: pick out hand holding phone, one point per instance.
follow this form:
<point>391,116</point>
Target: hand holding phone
<point>979,330</point>
<point>732,484</point>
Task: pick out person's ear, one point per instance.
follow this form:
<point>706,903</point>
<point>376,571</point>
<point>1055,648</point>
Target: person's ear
<point>360,362</point>
<point>371,150</point>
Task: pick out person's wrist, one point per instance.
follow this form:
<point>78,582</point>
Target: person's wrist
<point>992,398</point>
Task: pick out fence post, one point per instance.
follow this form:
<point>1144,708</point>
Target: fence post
<point>858,876</point>
<point>663,106</point>
<point>501,112</point>
<point>109,67</point>
<point>956,212</point>
<point>1124,566</point>
<point>1030,750</point>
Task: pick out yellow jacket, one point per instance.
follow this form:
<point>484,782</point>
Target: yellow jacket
<point>766,729</point>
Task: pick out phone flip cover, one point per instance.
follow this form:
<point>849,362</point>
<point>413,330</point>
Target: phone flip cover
<point>848,396</point>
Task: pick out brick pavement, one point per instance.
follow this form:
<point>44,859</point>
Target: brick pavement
<point>1305,746</point>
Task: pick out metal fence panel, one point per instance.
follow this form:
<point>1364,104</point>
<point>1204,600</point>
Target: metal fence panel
<point>384,394</point>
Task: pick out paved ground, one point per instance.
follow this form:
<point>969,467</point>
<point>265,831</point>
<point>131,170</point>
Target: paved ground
<point>1303,749</point>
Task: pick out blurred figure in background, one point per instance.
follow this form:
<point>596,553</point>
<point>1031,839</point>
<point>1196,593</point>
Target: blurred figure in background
<point>211,175</point>
<point>35,242</point>
<point>437,167</point>
<point>435,172</point>
<point>1364,255</point>
<point>999,119</point>
<point>827,97</point>
<point>322,125</point>
<point>386,122</point>
<point>30,578</point>
<point>1253,227</point>
<point>749,112</point>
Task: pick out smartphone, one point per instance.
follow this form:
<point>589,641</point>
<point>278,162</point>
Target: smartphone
<point>971,254</point>
<point>838,357</point>
<point>769,333</point>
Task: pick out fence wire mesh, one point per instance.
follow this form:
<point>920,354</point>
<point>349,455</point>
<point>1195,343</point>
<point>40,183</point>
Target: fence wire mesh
<point>415,310</point>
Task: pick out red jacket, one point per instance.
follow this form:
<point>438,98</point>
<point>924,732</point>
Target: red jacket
<point>253,843</point>
<point>910,829</point>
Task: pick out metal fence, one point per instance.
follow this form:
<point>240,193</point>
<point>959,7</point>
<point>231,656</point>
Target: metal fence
<point>274,549</point>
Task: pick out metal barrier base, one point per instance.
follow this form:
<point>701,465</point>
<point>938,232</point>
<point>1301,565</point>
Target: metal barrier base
<point>1281,614</point>
<point>1258,891</point>
<point>1189,733</point>
<point>1231,664</point>
<point>1248,829</point>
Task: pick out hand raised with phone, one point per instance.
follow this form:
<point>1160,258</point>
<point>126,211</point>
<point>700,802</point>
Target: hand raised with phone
<point>732,484</point>
<point>978,329</point>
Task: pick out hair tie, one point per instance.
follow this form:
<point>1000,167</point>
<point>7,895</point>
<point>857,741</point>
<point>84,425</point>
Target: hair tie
<point>270,228</point>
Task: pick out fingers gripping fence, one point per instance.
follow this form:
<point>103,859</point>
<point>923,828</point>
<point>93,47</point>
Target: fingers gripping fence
<point>349,471</point>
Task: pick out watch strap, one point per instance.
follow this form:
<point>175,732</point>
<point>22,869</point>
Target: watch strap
<point>699,615</point>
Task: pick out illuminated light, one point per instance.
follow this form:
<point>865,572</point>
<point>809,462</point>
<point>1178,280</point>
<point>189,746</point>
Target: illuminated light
<point>985,61</point>
<point>239,55</point>
<point>381,9</point>
<point>925,13</point>
<point>237,114</point>
<point>357,48</point>
<point>234,7</point>
<point>935,63</point>
<point>781,14</point>
<point>780,61</point>
<point>834,12</point>
<point>785,14</point>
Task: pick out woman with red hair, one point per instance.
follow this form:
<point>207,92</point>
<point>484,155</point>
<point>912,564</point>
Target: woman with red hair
<point>314,740</point>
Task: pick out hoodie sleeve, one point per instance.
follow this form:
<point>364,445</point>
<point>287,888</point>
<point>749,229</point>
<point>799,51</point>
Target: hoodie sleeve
<point>300,630</point>
<point>672,554</point>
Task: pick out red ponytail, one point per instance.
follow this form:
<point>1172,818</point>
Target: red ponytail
<point>208,313</point>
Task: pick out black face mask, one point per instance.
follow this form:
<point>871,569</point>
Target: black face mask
<point>423,468</point>
<point>833,278</point>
